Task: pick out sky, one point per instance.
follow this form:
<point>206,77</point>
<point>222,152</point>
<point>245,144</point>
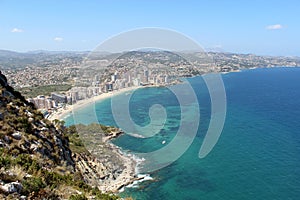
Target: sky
<point>240,26</point>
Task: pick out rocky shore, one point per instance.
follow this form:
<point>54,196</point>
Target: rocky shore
<point>105,166</point>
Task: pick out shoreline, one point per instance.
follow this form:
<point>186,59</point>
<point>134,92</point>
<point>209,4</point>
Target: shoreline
<point>107,166</point>
<point>62,113</point>
<point>129,176</point>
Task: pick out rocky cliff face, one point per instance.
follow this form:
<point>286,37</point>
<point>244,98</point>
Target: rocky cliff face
<point>103,164</point>
<point>25,131</point>
<point>35,159</point>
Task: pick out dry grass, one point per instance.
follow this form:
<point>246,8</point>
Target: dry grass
<point>18,171</point>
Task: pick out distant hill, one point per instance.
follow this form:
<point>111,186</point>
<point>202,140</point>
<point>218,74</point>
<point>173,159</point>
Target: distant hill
<point>44,58</point>
<point>14,60</point>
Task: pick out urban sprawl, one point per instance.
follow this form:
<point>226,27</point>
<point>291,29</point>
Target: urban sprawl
<point>90,76</point>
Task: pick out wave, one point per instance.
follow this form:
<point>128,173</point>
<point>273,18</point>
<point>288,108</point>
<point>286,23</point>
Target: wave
<point>136,135</point>
<point>135,184</point>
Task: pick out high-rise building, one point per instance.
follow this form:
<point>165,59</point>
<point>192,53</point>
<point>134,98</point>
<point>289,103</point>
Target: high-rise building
<point>136,82</point>
<point>108,87</point>
<point>146,76</point>
<point>59,98</point>
<point>166,79</point>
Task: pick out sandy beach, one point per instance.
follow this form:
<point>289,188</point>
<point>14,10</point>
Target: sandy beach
<point>63,112</point>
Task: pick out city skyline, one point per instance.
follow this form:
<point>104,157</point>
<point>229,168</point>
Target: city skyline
<point>263,28</point>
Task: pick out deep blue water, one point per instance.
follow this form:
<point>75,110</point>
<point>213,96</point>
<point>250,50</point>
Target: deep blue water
<point>257,155</point>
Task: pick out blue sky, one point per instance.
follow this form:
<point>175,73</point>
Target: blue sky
<point>242,26</point>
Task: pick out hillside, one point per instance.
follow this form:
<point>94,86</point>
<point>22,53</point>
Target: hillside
<point>36,161</point>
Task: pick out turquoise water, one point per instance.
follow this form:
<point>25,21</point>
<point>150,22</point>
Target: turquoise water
<point>257,155</point>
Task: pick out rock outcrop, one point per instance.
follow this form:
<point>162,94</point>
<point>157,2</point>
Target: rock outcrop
<point>36,161</point>
<point>104,166</point>
<point>24,130</point>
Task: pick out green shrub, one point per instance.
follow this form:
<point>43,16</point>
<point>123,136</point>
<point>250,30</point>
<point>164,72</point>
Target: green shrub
<point>25,161</point>
<point>82,185</point>
<point>102,196</point>
<point>5,161</point>
<point>32,184</point>
<point>78,197</point>
<point>15,152</point>
<point>53,179</point>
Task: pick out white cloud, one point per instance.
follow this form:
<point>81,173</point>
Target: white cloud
<point>17,30</point>
<point>274,27</point>
<point>58,39</point>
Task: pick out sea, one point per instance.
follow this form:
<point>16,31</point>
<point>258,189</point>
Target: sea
<point>256,157</point>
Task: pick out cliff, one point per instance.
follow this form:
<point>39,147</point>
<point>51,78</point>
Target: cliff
<point>36,161</point>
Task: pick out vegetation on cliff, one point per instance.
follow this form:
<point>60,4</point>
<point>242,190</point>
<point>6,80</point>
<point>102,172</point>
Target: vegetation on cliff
<point>36,161</point>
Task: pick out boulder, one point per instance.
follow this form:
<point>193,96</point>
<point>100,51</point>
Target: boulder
<point>12,187</point>
<point>2,144</point>
<point>17,135</point>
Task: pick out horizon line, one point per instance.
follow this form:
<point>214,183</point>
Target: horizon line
<point>107,52</point>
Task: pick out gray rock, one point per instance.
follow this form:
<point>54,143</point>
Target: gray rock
<point>6,139</point>
<point>30,119</point>
<point>33,147</point>
<point>17,135</point>
<point>43,124</point>
<point>44,129</point>
<point>12,187</point>
<point>29,114</point>
<point>2,144</point>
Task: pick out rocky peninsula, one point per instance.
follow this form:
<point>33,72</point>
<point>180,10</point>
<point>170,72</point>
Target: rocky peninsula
<point>102,163</point>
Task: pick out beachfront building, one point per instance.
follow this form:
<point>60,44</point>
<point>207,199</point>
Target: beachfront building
<point>109,87</point>
<point>41,102</point>
<point>59,98</point>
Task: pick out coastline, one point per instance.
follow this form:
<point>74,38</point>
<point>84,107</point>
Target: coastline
<point>129,176</point>
<point>103,176</point>
<point>61,113</point>
<point>106,166</point>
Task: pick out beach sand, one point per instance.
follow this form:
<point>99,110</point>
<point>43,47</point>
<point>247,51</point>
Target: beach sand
<point>61,113</point>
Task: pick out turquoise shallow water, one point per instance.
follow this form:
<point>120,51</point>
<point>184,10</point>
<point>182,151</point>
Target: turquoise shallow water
<point>257,155</point>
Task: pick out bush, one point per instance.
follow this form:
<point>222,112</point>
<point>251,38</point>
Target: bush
<point>25,161</point>
<point>32,184</point>
<point>103,196</point>
<point>5,161</point>
<point>82,185</point>
<point>53,179</point>
<point>78,197</point>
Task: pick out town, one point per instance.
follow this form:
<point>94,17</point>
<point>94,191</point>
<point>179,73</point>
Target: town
<point>89,74</point>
